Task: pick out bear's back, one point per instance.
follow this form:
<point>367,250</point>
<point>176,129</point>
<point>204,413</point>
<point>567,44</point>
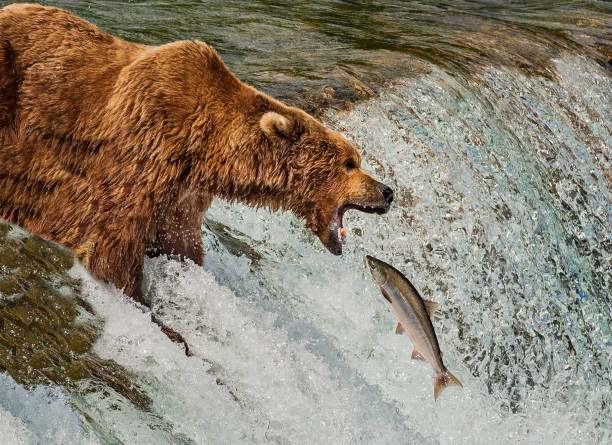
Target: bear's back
<point>60,67</point>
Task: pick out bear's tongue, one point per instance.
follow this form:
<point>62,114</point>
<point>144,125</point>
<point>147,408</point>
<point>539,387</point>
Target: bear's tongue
<point>337,231</point>
<point>341,229</point>
<point>342,234</point>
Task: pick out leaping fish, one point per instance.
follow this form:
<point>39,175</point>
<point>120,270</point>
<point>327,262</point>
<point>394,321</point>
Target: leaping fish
<point>414,315</point>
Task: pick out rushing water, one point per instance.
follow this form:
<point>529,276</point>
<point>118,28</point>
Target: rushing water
<point>493,124</point>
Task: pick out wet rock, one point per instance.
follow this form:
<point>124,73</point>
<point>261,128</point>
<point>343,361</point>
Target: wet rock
<point>44,339</point>
<point>232,240</point>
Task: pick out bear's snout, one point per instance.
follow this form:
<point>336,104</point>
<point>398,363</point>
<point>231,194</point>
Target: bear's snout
<point>376,198</point>
<point>386,191</point>
<point>386,197</point>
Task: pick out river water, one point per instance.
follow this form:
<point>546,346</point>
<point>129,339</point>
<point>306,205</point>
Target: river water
<point>492,122</point>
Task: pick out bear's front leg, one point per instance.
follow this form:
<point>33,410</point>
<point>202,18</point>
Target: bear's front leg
<point>178,229</point>
<point>118,259</point>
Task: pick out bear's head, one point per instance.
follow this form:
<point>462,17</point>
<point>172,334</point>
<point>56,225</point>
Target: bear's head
<point>219,137</point>
<point>318,174</point>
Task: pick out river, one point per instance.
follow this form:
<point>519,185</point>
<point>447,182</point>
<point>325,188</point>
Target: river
<point>491,120</point>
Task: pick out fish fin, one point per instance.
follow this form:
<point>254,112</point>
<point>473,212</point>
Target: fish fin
<point>442,381</point>
<point>431,307</point>
<point>385,294</point>
<point>399,329</point>
<point>416,355</point>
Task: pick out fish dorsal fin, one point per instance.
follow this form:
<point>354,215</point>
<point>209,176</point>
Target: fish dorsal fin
<point>431,307</point>
<point>399,329</point>
<point>416,355</point>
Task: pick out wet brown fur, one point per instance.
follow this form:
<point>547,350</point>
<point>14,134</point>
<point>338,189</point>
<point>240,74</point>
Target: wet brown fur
<point>115,149</point>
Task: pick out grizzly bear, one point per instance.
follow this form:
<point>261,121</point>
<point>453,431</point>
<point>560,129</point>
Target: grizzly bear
<point>116,149</point>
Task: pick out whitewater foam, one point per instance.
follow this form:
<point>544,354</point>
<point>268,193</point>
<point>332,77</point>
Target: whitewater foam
<point>42,415</point>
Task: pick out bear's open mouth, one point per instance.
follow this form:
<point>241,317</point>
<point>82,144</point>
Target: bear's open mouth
<point>337,231</point>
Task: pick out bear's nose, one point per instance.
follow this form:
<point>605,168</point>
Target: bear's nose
<point>387,193</point>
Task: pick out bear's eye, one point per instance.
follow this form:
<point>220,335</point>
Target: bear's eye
<point>350,164</point>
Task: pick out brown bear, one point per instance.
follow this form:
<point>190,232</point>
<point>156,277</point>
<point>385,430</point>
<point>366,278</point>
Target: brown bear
<point>116,149</point>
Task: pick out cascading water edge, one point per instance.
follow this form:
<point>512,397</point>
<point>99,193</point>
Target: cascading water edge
<point>515,246</point>
<point>502,213</point>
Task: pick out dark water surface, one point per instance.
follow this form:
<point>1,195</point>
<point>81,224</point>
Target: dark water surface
<point>492,121</point>
<point>321,53</point>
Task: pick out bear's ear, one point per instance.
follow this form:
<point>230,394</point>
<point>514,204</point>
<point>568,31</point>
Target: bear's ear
<point>274,124</point>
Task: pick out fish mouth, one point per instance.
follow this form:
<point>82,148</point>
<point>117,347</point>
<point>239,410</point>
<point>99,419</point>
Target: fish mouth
<point>374,266</point>
<point>369,261</point>
<point>336,229</point>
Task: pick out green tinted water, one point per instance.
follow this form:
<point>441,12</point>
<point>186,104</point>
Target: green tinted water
<point>320,53</point>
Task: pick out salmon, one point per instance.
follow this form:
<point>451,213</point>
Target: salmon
<point>414,318</point>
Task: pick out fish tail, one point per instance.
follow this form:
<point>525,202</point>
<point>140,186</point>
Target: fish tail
<point>443,380</point>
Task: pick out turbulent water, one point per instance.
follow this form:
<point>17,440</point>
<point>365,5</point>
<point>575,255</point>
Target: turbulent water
<point>492,122</point>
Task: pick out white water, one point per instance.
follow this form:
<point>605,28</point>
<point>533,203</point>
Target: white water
<point>503,213</point>
<point>40,416</point>
<point>14,429</point>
